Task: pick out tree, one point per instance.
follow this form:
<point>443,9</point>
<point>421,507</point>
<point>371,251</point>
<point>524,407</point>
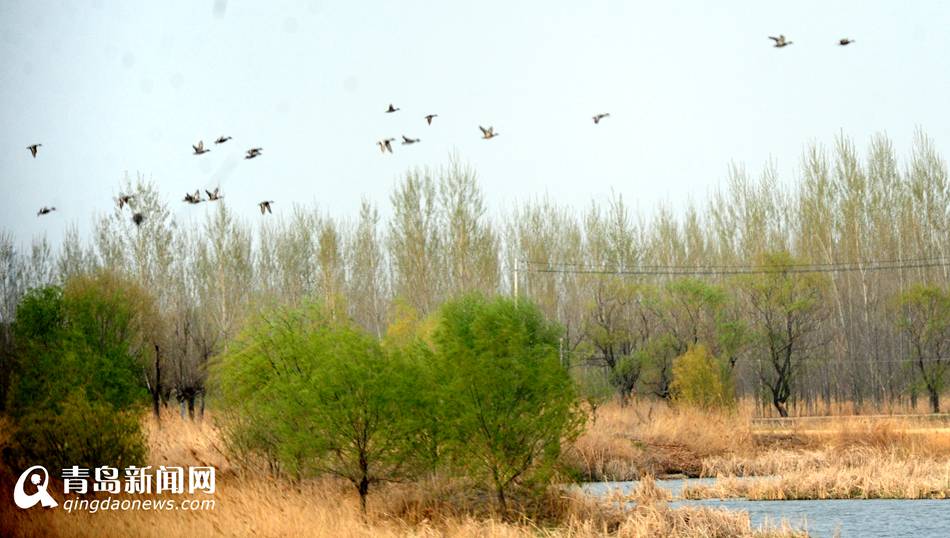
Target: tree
<point>91,335</point>
<point>11,290</point>
<point>322,396</point>
<point>925,320</point>
<point>77,382</point>
<point>367,286</point>
<point>701,381</point>
<point>594,389</point>
<point>785,313</point>
<point>471,253</point>
<point>619,327</point>
<point>511,403</point>
<point>411,339</point>
<point>414,242</point>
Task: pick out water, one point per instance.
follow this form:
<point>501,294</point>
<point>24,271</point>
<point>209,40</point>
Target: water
<point>880,518</point>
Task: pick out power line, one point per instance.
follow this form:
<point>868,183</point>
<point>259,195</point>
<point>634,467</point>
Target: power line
<point>822,361</point>
<point>724,270</point>
<point>860,263</point>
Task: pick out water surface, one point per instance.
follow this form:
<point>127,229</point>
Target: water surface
<point>850,518</point>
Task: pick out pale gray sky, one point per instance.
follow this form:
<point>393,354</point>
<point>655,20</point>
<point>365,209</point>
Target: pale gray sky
<point>110,87</point>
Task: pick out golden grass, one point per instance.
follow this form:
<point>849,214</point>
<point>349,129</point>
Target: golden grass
<point>852,473</point>
<point>253,504</point>
<point>906,457</point>
<point>649,438</point>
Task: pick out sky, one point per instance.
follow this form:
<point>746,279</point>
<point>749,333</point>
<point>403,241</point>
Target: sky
<point>113,88</point>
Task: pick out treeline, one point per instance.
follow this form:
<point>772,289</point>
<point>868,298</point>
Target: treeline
<point>473,392</point>
<point>632,291</point>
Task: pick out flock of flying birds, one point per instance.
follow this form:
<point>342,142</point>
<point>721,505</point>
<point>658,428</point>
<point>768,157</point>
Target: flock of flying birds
<point>385,145</point>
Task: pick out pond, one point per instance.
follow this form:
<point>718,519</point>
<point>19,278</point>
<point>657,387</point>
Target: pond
<point>881,518</point>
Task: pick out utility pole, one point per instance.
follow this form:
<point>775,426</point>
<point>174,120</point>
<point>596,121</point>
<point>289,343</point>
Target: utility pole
<point>517,263</point>
<point>560,352</point>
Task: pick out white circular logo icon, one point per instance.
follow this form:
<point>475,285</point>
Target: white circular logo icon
<point>24,500</point>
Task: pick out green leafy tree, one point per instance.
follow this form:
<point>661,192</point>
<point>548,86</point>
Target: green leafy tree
<point>688,312</point>
<point>89,335</point>
<point>925,320</point>
<point>410,338</point>
<point>619,328</point>
<point>785,312</point>
<point>320,396</point>
<point>78,379</point>
<point>512,403</point>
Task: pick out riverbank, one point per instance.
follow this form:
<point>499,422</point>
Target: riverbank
<point>847,457</point>
<point>250,503</point>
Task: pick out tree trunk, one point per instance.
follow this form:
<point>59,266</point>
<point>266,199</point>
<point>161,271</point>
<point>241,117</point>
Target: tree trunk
<point>935,400</point>
<point>781,407</point>
<point>157,389</point>
<point>363,488</point>
<point>191,407</point>
<point>502,502</point>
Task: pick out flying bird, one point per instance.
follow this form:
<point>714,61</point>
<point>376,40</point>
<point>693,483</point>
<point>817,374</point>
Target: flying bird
<point>222,139</point>
<point>386,145</point>
<point>33,148</point>
<point>253,152</point>
<point>391,109</point>
<point>124,199</point>
<point>214,195</point>
<point>780,41</point>
<point>265,206</point>
<point>200,148</point>
<point>599,117</point>
<point>45,210</point>
<point>845,41</point>
<point>406,140</point>
<point>429,118</point>
<point>193,198</point>
<point>138,219</point>
<point>488,133</point>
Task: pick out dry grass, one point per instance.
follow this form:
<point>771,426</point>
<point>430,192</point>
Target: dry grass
<point>648,438</point>
<point>253,504</point>
<point>852,473</point>
<point>905,457</point>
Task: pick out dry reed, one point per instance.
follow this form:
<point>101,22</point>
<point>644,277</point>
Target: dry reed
<point>254,504</point>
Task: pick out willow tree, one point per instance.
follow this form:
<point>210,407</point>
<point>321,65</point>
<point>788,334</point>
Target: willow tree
<point>511,404</point>
<point>321,396</point>
<point>785,313</point>
<point>925,320</point>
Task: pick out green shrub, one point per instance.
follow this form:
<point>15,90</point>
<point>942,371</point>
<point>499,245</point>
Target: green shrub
<point>85,433</point>
<point>701,381</point>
